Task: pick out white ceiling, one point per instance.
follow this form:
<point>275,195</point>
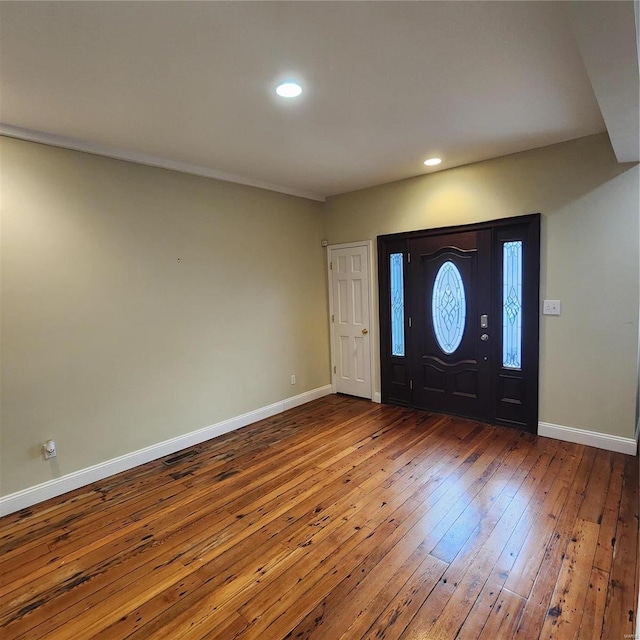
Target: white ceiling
<point>190,85</point>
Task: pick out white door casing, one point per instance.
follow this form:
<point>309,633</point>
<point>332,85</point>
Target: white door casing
<point>350,308</point>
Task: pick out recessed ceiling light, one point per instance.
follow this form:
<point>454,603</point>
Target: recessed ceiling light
<point>432,162</point>
<point>289,90</point>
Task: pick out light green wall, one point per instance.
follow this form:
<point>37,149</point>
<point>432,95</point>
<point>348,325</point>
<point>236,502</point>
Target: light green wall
<point>140,304</point>
<point>109,344</point>
<point>589,203</point>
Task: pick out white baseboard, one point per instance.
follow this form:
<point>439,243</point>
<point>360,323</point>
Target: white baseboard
<point>590,438</point>
<point>377,397</point>
<point>52,488</point>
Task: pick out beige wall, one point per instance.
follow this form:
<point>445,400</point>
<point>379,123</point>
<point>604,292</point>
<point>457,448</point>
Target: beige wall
<point>589,203</point>
<point>141,304</point>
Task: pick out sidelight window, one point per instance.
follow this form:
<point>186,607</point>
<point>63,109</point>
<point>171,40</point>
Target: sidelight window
<point>512,304</point>
<point>397,305</point>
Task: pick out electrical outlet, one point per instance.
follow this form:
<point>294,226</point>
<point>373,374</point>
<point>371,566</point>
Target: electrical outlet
<point>293,379</point>
<point>551,307</point>
<point>49,449</point>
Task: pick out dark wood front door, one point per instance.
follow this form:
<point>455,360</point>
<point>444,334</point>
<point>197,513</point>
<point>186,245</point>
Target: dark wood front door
<point>459,320</point>
<point>451,289</point>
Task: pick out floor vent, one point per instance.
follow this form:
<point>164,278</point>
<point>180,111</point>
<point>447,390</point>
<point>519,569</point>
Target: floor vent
<point>179,457</point>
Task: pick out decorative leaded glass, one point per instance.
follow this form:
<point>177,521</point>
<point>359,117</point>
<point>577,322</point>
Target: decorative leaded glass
<point>448,307</point>
<point>397,305</point>
<point>512,304</point>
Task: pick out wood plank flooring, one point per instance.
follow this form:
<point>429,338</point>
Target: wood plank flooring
<point>340,519</point>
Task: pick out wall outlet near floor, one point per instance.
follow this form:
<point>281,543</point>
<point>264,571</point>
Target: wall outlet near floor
<point>293,379</point>
<point>49,449</point>
<point>551,307</point>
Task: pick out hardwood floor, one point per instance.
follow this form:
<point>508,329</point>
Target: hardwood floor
<point>338,519</point>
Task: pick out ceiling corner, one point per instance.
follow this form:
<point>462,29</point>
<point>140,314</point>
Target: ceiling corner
<point>607,34</point>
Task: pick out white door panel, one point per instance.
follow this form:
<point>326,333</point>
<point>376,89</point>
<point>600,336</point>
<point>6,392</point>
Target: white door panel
<point>350,320</point>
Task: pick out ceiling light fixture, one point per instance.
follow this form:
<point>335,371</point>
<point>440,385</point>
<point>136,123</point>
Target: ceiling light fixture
<point>289,90</point>
<point>432,162</point>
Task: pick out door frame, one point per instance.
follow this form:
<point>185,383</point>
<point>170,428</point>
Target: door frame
<point>391,243</point>
<point>372,332</point>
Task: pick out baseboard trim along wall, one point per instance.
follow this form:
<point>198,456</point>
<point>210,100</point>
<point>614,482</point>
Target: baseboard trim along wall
<point>56,487</point>
<point>591,438</point>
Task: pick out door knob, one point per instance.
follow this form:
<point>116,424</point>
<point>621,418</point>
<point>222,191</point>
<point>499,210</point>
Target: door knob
<point>365,331</point>
<point>484,337</point>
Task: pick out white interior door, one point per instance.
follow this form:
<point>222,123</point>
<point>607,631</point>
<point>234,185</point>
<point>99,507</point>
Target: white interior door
<point>350,319</point>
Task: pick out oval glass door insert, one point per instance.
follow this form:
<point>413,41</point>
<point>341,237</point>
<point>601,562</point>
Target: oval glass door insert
<point>448,307</point>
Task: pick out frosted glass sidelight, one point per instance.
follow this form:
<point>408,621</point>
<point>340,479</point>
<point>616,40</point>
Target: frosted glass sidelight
<point>512,304</point>
<point>397,305</point>
<point>448,307</point>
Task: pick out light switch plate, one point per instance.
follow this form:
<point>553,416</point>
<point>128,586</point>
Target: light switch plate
<point>551,307</point>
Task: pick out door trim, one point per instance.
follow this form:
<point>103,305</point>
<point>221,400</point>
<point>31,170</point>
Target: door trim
<point>372,330</point>
<point>474,226</point>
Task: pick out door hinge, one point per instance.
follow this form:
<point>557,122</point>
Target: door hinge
<point>408,256</point>
<point>331,266</point>
<point>334,369</point>
<point>409,322</point>
<point>333,317</point>
<point>411,384</point>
